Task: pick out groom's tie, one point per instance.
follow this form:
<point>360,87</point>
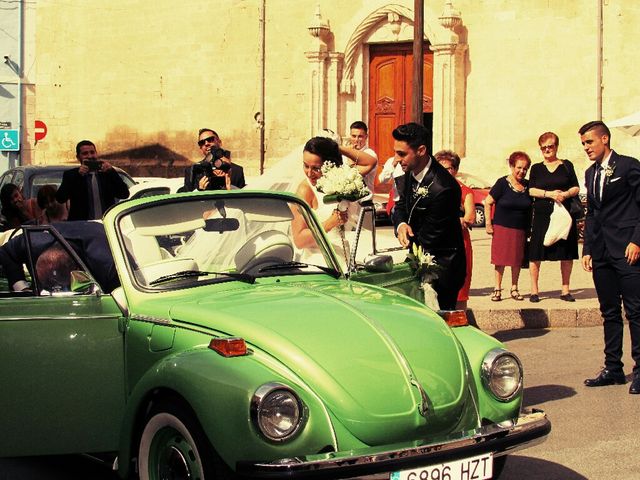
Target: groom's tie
<point>414,186</point>
<point>596,184</point>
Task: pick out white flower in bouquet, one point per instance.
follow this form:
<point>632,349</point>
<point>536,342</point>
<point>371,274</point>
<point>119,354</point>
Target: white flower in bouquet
<point>426,269</point>
<point>343,182</point>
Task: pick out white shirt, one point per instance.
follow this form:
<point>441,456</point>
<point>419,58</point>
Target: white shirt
<point>604,164</point>
<point>389,171</point>
<point>370,178</point>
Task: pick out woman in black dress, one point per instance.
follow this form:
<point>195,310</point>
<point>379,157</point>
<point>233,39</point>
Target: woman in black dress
<point>509,223</point>
<point>552,180</point>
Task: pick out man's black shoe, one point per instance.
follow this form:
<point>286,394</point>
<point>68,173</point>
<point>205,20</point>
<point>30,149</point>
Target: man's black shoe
<point>607,377</point>
<point>634,389</point>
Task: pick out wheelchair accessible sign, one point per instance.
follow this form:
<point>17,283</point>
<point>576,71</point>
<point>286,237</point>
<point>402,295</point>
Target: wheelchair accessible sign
<point>9,140</point>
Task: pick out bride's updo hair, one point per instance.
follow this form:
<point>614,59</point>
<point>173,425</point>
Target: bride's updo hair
<point>325,148</point>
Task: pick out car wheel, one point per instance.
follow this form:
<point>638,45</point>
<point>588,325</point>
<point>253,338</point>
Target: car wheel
<point>173,447</point>
<point>479,216</point>
<point>498,466</point>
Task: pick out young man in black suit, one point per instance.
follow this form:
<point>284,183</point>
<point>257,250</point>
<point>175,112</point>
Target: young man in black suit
<point>91,188</point>
<point>612,248</point>
<point>427,212</point>
<point>202,177</point>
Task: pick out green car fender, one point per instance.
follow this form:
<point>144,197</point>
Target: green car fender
<point>216,388</point>
<point>476,345</point>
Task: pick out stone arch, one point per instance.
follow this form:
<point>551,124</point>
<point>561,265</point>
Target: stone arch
<point>354,44</point>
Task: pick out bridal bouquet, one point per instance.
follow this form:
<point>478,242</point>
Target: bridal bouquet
<point>426,269</point>
<point>341,183</point>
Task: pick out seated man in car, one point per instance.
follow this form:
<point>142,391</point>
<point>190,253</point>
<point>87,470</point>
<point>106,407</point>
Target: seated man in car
<point>53,270</point>
<point>87,238</point>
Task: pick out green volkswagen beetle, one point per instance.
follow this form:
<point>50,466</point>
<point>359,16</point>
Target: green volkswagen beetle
<point>185,337</point>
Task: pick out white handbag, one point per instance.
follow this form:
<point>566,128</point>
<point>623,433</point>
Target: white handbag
<point>559,225</point>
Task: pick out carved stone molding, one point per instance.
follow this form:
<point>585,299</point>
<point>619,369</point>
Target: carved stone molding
<point>394,15</point>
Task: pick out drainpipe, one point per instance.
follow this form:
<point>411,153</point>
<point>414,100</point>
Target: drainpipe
<point>260,116</point>
<point>599,85</point>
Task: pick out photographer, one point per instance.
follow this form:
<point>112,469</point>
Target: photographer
<point>215,171</point>
<point>91,188</point>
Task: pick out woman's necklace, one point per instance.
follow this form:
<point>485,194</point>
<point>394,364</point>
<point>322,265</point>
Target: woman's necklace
<point>515,185</point>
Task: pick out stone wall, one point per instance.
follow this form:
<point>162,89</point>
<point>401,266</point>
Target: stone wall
<point>133,74</point>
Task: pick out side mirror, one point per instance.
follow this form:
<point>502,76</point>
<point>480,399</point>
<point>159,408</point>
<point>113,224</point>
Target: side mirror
<point>82,283</point>
<point>378,263</point>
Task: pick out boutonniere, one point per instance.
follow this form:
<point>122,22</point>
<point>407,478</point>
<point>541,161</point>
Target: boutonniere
<point>422,192</point>
<point>609,170</point>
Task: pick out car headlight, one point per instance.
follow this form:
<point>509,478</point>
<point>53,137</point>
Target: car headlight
<point>277,412</point>
<point>502,374</point>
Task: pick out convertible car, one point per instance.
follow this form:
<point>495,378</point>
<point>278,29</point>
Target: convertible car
<point>182,337</point>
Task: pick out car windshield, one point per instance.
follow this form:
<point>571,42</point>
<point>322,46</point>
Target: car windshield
<point>181,243</point>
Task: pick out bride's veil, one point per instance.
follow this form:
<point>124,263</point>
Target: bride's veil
<point>284,175</point>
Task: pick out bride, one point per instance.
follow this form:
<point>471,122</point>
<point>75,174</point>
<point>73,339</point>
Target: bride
<point>317,151</point>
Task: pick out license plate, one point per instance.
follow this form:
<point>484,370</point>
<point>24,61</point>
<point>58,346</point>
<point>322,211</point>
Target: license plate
<point>475,468</point>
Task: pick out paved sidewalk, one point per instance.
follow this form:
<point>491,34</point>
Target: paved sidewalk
<point>549,312</point>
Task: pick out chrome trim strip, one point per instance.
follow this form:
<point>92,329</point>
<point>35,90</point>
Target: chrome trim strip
<point>529,429</point>
<point>150,319</point>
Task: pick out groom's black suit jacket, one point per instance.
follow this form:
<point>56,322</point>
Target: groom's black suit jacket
<point>614,221</point>
<point>435,221</point>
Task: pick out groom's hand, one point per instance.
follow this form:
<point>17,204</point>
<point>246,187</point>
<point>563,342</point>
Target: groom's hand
<point>404,234</point>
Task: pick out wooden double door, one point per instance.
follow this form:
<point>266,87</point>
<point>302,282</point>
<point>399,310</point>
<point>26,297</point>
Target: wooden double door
<point>390,91</point>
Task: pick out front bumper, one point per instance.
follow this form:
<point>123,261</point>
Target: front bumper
<point>529,429</point>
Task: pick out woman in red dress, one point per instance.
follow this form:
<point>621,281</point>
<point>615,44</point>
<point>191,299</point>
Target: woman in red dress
<point>451,161</point>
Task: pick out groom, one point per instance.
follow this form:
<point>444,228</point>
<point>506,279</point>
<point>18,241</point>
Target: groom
<point>427,212</point>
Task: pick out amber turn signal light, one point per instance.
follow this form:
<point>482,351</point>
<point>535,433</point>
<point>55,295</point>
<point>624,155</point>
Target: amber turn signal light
<point>229,347</point>
<point>455,318</point>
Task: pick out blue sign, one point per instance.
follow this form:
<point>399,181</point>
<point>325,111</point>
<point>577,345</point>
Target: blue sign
<point>9,140</point>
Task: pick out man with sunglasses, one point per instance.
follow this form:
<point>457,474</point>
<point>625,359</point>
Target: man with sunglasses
<point>202,175</point>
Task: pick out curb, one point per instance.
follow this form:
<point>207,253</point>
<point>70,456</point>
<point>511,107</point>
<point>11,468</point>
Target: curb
<point>529,318</point>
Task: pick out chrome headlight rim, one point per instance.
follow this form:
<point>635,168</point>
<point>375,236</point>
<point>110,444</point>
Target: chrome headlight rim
<point>488,364</point>
<point>257,401</point>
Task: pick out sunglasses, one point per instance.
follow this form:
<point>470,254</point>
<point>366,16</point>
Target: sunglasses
<point>547,147</point>
<point>210,139</point>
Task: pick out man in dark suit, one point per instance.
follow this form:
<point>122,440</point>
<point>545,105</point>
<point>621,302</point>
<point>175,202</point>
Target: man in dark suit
<point>88,239</point>
<point>202,176</point>
<point>91,188</point>
<point>427,212</point>
<point>612,248</point>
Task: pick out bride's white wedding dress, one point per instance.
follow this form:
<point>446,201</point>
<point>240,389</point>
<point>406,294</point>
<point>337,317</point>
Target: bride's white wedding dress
<point>286,175</point>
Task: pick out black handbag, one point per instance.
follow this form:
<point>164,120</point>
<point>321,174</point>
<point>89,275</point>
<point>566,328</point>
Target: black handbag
<point>574,205</point>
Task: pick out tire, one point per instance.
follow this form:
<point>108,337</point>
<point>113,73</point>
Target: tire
<point>498,466</point>
<point>174,447</point>
<point>479,216</point>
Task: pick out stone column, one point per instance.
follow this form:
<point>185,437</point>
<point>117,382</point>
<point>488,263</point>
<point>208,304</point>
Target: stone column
<point>449,86</point>
<point>317,77</point>
<point>333,79</point>
<point>317,56</point>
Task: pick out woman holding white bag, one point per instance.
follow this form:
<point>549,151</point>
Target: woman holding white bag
<point>552,180</point>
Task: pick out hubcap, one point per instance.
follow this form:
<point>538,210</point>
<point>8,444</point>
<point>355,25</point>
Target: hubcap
<point>172,457</point>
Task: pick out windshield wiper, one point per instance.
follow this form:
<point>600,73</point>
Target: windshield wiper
<point>243,277</point>
<point>289,265</point>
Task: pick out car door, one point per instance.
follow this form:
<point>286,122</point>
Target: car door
<point>61,368</point>
<point>378,270</point>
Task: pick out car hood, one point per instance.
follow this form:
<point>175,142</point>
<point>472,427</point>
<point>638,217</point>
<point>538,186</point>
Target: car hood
<point>375,358</point>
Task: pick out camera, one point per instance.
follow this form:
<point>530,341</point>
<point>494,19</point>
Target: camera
<point>215,156</point>
<point>213,161</point>
<point>94,165</point>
